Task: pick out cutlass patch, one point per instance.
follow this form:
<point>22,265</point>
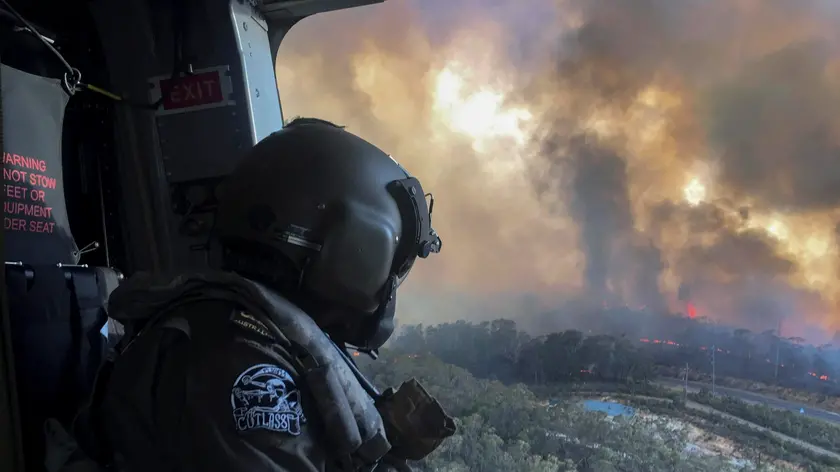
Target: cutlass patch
<point>265,397</point>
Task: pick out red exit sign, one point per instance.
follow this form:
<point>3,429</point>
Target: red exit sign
<point>207,88</point>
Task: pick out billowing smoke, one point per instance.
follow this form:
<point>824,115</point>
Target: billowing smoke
<point>600,207</point>
<point>648,153</point>
<point>775,125</point>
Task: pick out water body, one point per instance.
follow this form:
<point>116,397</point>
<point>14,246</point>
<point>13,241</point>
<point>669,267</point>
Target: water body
<point>610,408</point>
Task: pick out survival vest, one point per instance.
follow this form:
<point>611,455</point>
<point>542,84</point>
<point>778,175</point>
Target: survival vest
<point>355,431</point>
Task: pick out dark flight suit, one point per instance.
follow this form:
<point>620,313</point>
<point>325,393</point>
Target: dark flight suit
<point>206,389</point>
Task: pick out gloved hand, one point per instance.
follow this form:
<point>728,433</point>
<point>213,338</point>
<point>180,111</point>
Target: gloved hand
<point>390,463</point>
<point>415,421</point>
<point>62,451</point>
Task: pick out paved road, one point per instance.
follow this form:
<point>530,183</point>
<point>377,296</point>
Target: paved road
<point>758,398</point>
<point>778,435</point>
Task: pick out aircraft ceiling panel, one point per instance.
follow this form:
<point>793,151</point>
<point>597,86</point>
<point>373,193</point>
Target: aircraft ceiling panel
<point>279,9</point>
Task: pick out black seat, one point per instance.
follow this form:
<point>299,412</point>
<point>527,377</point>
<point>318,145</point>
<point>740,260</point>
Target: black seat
<point>57,309</point>
<point>57,317</point>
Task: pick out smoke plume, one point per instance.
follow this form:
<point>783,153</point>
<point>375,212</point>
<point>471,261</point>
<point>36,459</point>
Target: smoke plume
<point>648,153</point>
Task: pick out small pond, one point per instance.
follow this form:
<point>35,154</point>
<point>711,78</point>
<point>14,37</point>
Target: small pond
<point>610,408</point>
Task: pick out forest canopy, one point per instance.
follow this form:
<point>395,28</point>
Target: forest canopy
<point>518,399</point>
<point>510,429</point>
<point>500,350</point>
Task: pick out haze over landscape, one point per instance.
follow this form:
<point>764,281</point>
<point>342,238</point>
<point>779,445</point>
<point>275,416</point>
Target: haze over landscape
<point>672,156</point>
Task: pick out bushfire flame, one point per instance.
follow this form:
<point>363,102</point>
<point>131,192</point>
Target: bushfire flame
<point>600,149</point>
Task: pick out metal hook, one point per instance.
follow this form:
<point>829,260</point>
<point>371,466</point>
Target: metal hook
<point>431,205</point>
<point>89,248</point>
<point>73,81</point>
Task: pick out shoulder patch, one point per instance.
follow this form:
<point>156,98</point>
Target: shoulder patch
<point>265,397</point>
<point>250,323</point>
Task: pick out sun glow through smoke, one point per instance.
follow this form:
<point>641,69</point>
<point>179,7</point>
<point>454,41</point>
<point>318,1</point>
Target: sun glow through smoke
<point>695,192</point>
<point>478,113</point>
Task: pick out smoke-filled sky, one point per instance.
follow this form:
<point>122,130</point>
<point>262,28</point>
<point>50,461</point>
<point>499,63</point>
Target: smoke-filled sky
<point>640,152</point>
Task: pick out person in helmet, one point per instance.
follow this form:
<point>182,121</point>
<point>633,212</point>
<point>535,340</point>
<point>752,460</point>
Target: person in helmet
<point>246,369</point>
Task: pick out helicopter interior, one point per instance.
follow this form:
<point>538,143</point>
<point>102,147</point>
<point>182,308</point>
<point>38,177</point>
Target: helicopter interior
<point>118,120</point>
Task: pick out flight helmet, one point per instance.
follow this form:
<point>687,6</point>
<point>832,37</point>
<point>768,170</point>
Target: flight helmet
<point>330,221</point>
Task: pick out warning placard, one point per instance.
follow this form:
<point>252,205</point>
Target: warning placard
<point>34,210</point>
<point>25,191</point>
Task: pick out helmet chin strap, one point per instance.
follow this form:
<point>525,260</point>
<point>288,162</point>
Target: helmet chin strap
<point>381,324</point>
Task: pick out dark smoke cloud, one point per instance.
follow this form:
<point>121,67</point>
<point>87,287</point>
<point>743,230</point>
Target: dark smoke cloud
<point>622,265</point>
<point>734,273</point>
<point>701,219</point>
<point>641,267</point>
<point>597,190</point>
<point>776,128</point>
<point>755,86</point>
<point>774,124</point>
<point>600,206</point>
<point>762,109</point>
<point>735,256</point>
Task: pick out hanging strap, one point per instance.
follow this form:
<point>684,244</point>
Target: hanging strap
<point>87,318</point>
<point>71,365</point>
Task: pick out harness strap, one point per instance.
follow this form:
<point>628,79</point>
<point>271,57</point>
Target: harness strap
<point>355,433</point>
<point>352,452</point>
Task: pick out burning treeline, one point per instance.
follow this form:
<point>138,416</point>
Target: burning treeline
<point>630,152</point>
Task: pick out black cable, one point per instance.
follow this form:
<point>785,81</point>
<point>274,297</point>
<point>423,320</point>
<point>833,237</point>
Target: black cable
<point>365,383</point>
<point>180,30</point>
<point>75,76</point>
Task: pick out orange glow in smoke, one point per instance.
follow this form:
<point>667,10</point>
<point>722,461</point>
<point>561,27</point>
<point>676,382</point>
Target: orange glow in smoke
<point>692,312</point>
